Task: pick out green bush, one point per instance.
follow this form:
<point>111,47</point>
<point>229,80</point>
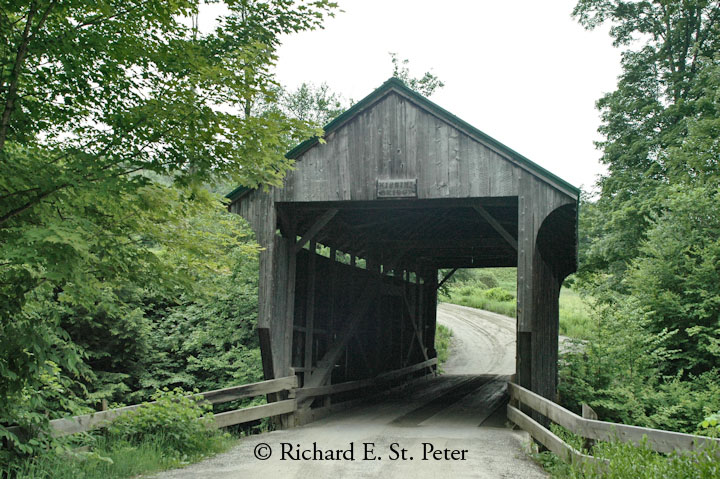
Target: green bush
<point>181,421</point>
<point>711,425</point>
<point>443,336</point>
<point>499,294</point>
<point>487,279</point>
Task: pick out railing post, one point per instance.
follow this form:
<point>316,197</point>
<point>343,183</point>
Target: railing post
<point>588,413</point>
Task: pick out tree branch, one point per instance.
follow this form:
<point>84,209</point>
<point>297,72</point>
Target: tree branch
<point>18,65</point>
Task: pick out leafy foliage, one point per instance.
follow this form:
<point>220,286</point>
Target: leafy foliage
<point>182,421</point>
<point>425,85</point>
<point>649,243</point>
<point>443,339</point>
<point>710,426</point>
<point>114,118</point>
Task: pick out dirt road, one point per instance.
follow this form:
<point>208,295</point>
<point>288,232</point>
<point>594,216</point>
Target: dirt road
<point>482,343</point>
<point>452,425</point>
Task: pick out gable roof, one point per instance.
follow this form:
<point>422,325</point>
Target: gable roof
<point>397,85</point>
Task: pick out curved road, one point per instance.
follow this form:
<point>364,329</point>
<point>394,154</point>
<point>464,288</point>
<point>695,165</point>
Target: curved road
<point>482,342</point>
<point>461,410</point>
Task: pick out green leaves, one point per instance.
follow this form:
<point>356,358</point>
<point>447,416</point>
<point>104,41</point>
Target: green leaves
<point>114,118</point>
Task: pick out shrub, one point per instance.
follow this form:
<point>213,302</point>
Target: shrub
<point>487,279</point>
<point>443,337</point>
<point>181,421</point>
<point>499,294</point>
<point>711,425</point>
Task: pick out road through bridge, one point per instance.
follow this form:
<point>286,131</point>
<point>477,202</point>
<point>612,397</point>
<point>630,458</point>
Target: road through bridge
<point>398,190</point>
<point>432,418</point>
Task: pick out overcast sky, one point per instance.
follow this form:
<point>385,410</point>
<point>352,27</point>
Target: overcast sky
<point>522,71</point>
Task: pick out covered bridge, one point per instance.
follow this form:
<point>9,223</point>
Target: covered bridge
<point>355,238</point>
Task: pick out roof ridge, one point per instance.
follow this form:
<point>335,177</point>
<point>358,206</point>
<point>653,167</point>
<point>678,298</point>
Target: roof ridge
<point>394,82</point>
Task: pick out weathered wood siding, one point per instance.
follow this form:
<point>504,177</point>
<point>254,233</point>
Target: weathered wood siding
<point>395,139</point>
<point>393,136</point>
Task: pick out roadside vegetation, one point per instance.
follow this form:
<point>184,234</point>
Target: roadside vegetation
<point>494,289</point>
<point>443,339</point>
<point>121,271</point>
<point>172,432</point>
<point>650,238</point>
<point>628,461</point>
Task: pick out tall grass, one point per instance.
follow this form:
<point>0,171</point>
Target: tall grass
<point>116,459</point>
<point>443,336</point>
<point>494,289</point>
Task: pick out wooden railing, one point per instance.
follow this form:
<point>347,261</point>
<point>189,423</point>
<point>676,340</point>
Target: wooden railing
<point>365,383</point>
<point>72,425</point>
<point>657,439</point>
<point>86,422</point>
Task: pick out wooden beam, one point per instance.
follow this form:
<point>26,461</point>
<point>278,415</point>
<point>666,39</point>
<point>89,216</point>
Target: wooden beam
<point>310,307</point>
<point>388,376</point>
<point>418,335</point>
<point>440,243</point>
<point>324,366</point>
<point>496,226</point>
<point>315,228</point>
<point>659,440</point>
<point>447,277</point>
<point>240,416</point>
<point>75,424</point>
<point>566,452</point>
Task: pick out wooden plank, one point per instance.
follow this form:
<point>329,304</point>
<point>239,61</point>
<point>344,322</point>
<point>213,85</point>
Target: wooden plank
<point>554,412</point>
<point>588,413</point>
<point>249,390</point>
<point>72,425</point>
<point>563,450</point>
<point>310,307</point>
<point>241,416</point>
<point>335,388</point>
<point>304,393</point>
<point>659,440</point>
<point>497,226</point>
<point>315,228</point>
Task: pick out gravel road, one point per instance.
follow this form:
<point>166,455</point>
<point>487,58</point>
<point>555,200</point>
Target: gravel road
<point>452,425</point>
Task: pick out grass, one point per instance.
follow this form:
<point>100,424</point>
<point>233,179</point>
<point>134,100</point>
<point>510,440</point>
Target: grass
<point>443,337</point>
<point>629,461</point>
<point>494,289</point>
<point>117,459</point>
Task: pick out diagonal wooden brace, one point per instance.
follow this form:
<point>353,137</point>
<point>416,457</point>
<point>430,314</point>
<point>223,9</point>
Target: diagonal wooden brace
<point>497,226</point>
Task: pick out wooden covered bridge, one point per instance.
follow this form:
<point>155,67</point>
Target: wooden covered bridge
<point>354,240</point>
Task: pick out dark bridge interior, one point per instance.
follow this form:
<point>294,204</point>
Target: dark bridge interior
<point>355,238</point>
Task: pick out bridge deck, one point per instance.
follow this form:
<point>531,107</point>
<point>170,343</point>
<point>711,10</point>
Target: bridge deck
<point>449,412</point>
<point>455,411</point>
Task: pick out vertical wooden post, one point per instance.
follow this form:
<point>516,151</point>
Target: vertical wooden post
<point>331,323</point>
<point>310,309</point>
<point>588,413</point>
<point>431,287</point>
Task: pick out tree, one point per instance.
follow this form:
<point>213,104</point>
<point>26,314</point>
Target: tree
<point>317,105</point>
<point>113,114</point>
<point>425,85</point>
<point>663,90</point>
<point>651,238</point>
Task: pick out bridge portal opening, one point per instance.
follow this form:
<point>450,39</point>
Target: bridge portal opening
<point>368,279</point>
<point>353,241</point>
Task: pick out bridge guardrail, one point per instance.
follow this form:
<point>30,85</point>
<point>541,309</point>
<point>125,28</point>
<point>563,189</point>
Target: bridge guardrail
<point>99,419</point>
<point>658,439</point>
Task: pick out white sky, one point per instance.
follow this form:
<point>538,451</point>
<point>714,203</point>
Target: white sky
<point>522,71</point>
